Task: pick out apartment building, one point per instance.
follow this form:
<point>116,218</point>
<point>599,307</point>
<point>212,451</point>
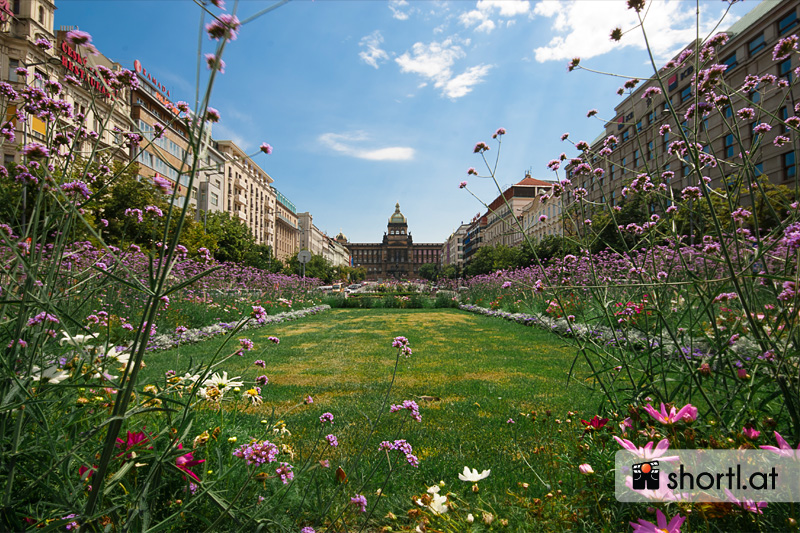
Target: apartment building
<point>453,247</point>
<point>286,229</point>
<point>542,217</point>
<point>504,217</point>
<point>248,192</point>
<point>636,141</point>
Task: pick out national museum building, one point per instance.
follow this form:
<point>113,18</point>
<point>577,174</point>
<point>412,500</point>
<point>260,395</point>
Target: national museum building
<point>397,257</point>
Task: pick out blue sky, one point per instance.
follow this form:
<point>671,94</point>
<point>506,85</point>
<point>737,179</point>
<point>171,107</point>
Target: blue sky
<point>368,103</point>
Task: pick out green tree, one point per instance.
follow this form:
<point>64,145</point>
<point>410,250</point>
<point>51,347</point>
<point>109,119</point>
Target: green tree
<point>234,239</point>
<point>429,271</point>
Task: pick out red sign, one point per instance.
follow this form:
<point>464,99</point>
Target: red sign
<point>5,11</point>
<point>137,65</point>
<point>76,65</point>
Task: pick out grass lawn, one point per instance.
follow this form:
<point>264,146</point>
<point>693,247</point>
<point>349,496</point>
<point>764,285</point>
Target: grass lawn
<point>477,371</point>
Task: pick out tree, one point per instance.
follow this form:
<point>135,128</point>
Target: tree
<point>429,271</point>
<point>234,239</point>
<point>317,267</point>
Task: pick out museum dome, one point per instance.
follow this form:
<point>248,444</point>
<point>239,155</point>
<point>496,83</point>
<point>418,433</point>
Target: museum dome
<point>397,217</point>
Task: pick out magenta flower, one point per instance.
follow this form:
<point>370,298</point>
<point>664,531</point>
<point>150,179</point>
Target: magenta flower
<point>648,452</point>
<point>585,469</point>
<point>462,184</point>
<point>674,525</point>
<point>326,417</point>
<point>332,440</point>
<point>751,433</point>
<point>687,413</point>
<point>35,151</point>
<point>266,148</point>
<point>784,449</point>
<point>186,461</point>
<point>214,64</point>
<point>784,48</point>
<point>259,314</point>
<point>471,171</point>
<point>212,115</point>
<point>748,505</point>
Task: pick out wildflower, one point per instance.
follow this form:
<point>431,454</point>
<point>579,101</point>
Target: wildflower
<point>223,382</point>
<point>750,432</point>
<point>81,38</point>
<point>780,140</point>
<point>257,452</point>
<point>616,34</point>
<point>215,64</point>
<point>674,525</point>
<point>510,421</point>
<point>259,314</point>
<point>746,113</point>
<point>586,469</point>
<point>186,461</point>
<point>784,48</point>
<point>326,417</point>
<point>253,396</point>
<point>246,344</point>
<point>402,344</point>
<point>762,128</point>
<point>212,115</point>
<point>53,374</point>
<point>332,440</point>
<point>285,473</point>
<point>359,501</point>
<point>35,151</point>
<point>591,113</point>
<point>462,184</point>
<point>308,530</point>
<point>573,64</point>
<point>480,148</point>
<point>409,405</point>
<point>687,413</point>
<point>506,284</point>
<point>747,505</point>
<point>650,91</point>
<point>472,475</point>
<point>225,27</point>
<point>309,400</point>
<point>471,171</point>
<point>784,448</point>
<point>266,148</point>
<point>554,164</point>
<point>262,380</point>
<point>595,423</point>
<point>261,363</point>
<point>648,452</point>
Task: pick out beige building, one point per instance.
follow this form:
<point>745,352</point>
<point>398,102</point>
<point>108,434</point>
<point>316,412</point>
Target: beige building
<point>504,217</point>
<point>106,112</point>
<point>310,236</point>
<point>632,143</point>
<point>543,218</point>
<point>453,247</point>
<point>286,230</point>
<point>248,194</point>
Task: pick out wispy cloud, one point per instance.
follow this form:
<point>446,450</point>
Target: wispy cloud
<point>222,132</point>
<point>435,60</point>
<point>481,16</point>
<point>352,144</point>
<point>583,28</point>
<point>397,7</point>
<point>372,55</point>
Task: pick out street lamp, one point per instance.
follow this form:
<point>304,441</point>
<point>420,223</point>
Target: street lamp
<point>52,61</point>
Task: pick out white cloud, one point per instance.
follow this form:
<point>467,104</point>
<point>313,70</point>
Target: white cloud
<point>507,8</point>
<point>434,61</point>
<point>352,144</point>
<point>485,9</point>
<point>396,7</point>
<point>486,26</point>
<point>584,27</point>
<point>463,83</point>
<point>373,53</point>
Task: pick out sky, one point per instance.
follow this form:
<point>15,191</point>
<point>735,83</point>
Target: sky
<point>369,103</point>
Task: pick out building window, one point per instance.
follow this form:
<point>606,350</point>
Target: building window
<point>730,61</point>
<point>16,7</point>
<point>789,166</point>
<point>788,22</point>
<point>41,15</point>
<point>756,45</point>
<point>727,111</point>
<point>624,162</point>
<point>636,158</point>
<point>639,126</point>
<point>755,97</point>
<point>684,170</point>
<point>650,150</point>
<point>784,114</point>
<point>785,70</point>
<point>728,145</point>
<point>13,65</point>
<point>759,169</point>
<point>611,169</point>
<point>686,93</point>
<point>626,135</point>
<point>651,118</point>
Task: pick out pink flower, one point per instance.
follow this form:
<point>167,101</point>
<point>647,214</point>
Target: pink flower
<point>687,413</point>
<point>184,462</point>
<point>748,505</point>
<point>462,184</point>
<point>751,433</point>
<point>267,149</point>
<point>359,501</point>
<point>785,449</point>
<point>674,525</point>
<point>647,453</point>
<point>586,469</point>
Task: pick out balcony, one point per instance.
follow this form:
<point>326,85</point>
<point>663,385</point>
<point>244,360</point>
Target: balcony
<point>242,216</point>
<point>286,221</point>
<point>239,198</point>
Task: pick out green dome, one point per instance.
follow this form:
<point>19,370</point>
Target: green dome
<point>397,217</point>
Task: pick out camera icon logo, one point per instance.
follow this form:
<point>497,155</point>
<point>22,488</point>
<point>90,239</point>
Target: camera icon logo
<point>645,476</point>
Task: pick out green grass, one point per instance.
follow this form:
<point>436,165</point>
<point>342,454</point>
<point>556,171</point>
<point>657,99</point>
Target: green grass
<point>481,372</point>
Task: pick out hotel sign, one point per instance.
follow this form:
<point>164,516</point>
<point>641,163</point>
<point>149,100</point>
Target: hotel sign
<point>137,65</point>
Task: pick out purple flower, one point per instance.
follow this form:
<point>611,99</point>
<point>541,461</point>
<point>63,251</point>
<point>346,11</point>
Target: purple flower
<point>43,44</point>
<point>259,362</point>
<point>480,148</point>
<point>225,27</point>
<point>332,440</point>
<point>762,128</point>
<point>212,115</point>
<point>215,64</point>
<point>267,149</point>
<point>81,38</point>
<point>285,473</point>
<point>274,340</point>
<point>650,91</point>
<point>746,113</point>
<point>262,380</point>
<point>359,501</point>
<point>259,314</point>
<point>35,151</point>
<point>326,417</point>
<point>784,48</point>
<point>74,189</point>
<point>462,185</point>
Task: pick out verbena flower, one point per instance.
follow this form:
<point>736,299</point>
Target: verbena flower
<point>225,27</point>
<point>326,417</point>
<point>784,48</point>
<point>266,148</point>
